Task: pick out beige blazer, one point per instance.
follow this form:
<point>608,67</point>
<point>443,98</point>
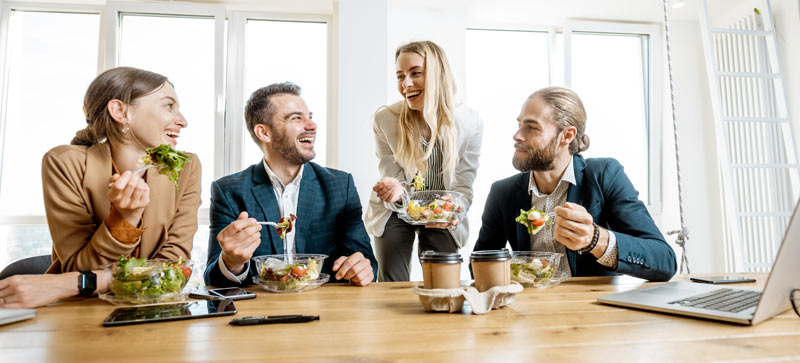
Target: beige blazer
<point>469,135</point>
<point>75,185</point>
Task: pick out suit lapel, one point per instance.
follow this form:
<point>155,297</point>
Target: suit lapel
<point>98,171</point>
<point>306,200</point>
<point>522,201</point>
<point>264,195</point>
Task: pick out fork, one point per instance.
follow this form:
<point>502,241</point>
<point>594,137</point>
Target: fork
<point>137,171</point>
<point>269,224</point>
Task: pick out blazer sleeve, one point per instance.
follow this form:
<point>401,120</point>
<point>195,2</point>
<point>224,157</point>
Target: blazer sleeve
<point>387,166</point>
<point>492,235</point>
<point>221,214</point>
<point>78,242</point>
<point>180,236</point>
<point>467,166</point>
<point>350,227</point>
<point>641,249</point>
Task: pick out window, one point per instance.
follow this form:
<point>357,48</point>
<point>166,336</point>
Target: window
<point>42,109</point>
<point>613,69</point>
<point>301,58</point>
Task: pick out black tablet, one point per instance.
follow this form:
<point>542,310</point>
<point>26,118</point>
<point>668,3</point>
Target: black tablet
<point>166,312</point>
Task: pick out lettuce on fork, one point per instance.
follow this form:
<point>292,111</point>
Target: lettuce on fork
<point>169,161</point>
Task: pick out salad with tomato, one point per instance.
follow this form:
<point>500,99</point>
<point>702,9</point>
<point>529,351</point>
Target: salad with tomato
<point>141,278</point>
<point>285,225</point>
<point>436,211</point>
<point>533,219</point>
<point>531,272</point>
<point>290,276</point>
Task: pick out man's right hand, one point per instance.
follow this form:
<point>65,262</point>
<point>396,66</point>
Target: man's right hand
<point>238,242</point>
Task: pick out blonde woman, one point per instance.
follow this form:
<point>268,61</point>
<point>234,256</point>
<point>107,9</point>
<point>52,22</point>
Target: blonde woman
<point>426,132</point>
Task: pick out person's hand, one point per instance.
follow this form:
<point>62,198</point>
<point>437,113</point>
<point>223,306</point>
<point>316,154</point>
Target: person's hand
<point>30,291</point>
<point>389,189</point>
<point>355,268</point>
<point>129,194</point>
<point>573,226</point>
<point>238,242</point>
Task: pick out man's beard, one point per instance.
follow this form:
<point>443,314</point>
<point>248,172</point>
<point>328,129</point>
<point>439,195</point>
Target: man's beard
<point>539,159</point>
<point>289,150</point>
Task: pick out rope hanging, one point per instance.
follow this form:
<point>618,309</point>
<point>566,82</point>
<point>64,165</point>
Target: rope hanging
<point>683,233</point>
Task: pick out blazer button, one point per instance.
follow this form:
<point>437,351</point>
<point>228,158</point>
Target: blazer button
<point>630,259</point>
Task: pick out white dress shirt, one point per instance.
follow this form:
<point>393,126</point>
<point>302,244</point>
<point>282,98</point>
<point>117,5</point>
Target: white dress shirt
<point>287,196</point>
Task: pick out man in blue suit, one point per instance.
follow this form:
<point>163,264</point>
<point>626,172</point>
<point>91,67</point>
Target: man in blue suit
<point>600,224</point>
<point>285,182</point>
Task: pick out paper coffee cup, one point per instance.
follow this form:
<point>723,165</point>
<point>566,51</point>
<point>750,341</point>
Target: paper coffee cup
<point>441,270</point>
<point>491,268</point>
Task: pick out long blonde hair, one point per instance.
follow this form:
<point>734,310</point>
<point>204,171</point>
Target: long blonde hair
<point>438,113</point>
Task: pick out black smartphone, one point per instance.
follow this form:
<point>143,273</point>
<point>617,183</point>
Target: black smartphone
<point>233,293</point>
<point>724,279</point>
<point>167,312</point>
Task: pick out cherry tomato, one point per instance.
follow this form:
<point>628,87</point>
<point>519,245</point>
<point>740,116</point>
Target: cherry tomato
<point>298,271</point>
<point>538,222</point>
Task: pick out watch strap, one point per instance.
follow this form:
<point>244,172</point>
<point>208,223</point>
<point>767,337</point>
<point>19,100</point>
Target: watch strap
<point>87,283</point>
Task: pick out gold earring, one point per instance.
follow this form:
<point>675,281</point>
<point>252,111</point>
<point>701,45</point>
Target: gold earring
<point>125,129</point>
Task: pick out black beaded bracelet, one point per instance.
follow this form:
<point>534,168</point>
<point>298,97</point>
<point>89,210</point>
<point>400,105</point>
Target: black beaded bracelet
<point>592,244</point>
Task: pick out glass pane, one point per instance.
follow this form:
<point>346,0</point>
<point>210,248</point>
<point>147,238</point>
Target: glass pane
<point>608,75</point>
<point>503,69</point>
<point>280,51</point>
<point>22,240</point>
<point>43,94</point>
<point>181,48</point>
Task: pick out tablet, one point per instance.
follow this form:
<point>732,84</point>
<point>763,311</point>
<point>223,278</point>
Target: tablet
<point>167,312</point>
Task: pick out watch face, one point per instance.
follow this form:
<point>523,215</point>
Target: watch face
<point>87,283</point>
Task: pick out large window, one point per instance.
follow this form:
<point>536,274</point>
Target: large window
<point>271,56</point>
<point>51,59</point>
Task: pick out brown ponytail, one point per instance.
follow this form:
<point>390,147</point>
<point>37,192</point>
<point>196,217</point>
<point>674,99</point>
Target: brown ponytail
<point>122,83</point>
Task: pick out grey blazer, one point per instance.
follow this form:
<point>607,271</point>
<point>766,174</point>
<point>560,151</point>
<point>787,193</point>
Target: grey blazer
<point>469,135</point>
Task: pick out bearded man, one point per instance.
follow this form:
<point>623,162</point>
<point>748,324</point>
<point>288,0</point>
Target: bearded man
<point>285,182</point>
<point>595,218</point>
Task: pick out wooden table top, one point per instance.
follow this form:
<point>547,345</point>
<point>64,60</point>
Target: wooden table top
<point>386,322</point>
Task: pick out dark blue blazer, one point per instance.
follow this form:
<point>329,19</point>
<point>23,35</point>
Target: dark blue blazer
<point>328,217</point>
<point>608,195</point>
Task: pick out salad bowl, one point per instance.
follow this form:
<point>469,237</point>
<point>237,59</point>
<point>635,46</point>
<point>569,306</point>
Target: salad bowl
<point>537,269</point>
<point>139,281</point>
<point>430,206</point>
<point>275,274</point>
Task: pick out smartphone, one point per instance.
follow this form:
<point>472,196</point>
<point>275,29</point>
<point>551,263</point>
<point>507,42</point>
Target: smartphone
<point>233,293</point>
<point>725,279</point>
<point>167,312</point>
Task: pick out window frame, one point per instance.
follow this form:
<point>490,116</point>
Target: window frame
<point>6,8</point>
<point>654,92</point>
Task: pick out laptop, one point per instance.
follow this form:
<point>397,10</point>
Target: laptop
<point>747,306</point>
<point>8,316</point>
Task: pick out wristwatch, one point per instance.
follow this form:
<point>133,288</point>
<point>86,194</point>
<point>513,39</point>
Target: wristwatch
<point>87,283</point>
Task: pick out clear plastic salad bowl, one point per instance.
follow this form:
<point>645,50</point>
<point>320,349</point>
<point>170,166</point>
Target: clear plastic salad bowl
<point>537,269</point>
<point>138,281</point>
<point>302,274</point>
<point>430,206</point>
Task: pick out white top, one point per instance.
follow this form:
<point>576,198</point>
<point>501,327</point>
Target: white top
<point>287,196</point>
<point>469,135</point>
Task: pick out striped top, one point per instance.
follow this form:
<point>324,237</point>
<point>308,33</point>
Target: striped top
<point>434,178</point>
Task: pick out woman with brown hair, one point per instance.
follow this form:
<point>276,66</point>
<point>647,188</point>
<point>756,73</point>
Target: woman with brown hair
<point>98,207</point>
<point>429,133</point>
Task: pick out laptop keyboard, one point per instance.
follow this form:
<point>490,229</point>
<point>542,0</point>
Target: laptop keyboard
<point>729,300</point>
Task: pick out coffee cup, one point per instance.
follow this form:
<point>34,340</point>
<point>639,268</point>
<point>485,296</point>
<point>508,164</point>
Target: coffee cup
<point>441,270</point>
<point>491,268</point>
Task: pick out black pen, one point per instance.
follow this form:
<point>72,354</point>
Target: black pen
<point>277,319</point>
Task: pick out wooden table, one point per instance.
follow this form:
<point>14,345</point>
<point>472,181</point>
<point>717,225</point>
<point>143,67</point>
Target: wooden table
<point>386,322</point>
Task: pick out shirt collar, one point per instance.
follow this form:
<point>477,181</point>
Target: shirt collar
<point>277,181</point>
<point>568,176</point>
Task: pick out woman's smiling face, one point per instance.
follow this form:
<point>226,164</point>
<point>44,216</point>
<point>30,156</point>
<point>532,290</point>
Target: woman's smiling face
<point>411,79</point>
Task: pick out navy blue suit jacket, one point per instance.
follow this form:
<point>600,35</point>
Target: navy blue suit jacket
<point>608,195</point>
<point>328,217</point>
